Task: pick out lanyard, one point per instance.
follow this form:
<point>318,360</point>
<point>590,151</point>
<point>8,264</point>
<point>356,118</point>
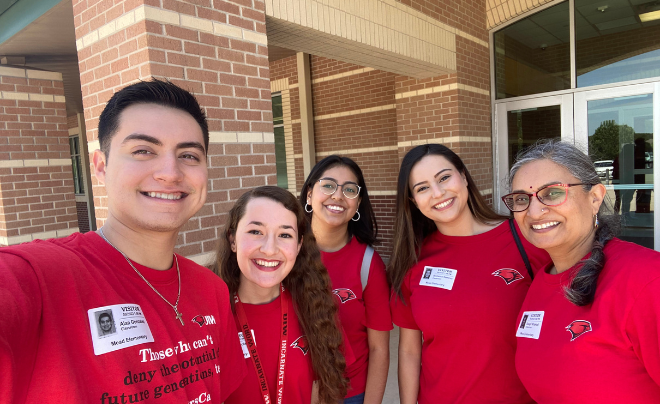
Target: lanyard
<point>285,297</point>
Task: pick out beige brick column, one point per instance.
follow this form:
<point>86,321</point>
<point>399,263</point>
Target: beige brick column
<point>216,49</point>
<point>306,113</point>
<point>37,198</point>
<point>452,109</point>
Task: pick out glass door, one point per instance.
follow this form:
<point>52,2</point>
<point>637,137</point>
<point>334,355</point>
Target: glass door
<point>618,128</point>
<point>519,124</point>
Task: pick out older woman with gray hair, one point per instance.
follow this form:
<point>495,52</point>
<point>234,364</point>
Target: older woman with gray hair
<point>589,328</point>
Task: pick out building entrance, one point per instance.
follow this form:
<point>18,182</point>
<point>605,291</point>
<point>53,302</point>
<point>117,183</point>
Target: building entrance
<point>617,126</point>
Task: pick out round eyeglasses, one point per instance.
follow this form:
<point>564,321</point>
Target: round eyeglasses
<point>350,190</point>
<point>549,195</point>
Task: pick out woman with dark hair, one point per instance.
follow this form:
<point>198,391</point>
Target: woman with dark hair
<point>459,278</point>
<point>281,301</point>
<point>337,203</point>
<point>588,329</point>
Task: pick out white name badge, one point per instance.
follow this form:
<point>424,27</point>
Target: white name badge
<point>438,277</point>
<point>530,324</point>
<point>241,338</point>
<point>117,327</point>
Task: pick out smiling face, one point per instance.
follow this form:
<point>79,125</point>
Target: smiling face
<point>440,192</point>
<point>266,246</point>
<point>334,210</point>
<point>155,175</point>
<point>106,323</point>
<point>566,229</point>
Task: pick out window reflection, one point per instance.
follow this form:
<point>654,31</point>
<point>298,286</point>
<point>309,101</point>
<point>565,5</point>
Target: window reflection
<point>533,55</point>
<point>621,145</point>
<point>527,126</point>
<point>616,41</point>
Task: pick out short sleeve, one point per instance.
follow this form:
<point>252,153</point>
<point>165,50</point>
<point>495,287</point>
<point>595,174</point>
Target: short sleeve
<point>376,297</point>
<point>232,362</point>
<point>642,327</point>
<point>20,311</point>
<point>402,314</point>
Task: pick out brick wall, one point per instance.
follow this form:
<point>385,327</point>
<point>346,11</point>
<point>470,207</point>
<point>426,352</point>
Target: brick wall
<point>286,68</point>
<point>375,117</point>
<point>72,122</point>
<point>466,15</point>
<point>36,185</point>
<point>83,217</point>
<point>216,49</point>
<point>355,116</point>
<point>453,109</point>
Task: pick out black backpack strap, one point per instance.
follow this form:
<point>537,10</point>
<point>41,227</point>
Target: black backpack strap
<point>521,249</point>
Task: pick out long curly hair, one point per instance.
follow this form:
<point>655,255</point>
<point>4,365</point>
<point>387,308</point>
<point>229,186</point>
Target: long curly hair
<point>412,226</point>
<point>309,285</point>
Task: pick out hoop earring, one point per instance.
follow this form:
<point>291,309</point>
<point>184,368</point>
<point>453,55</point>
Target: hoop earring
<point>310,208</point>
<point>596,221</point>
<point>354,219</point>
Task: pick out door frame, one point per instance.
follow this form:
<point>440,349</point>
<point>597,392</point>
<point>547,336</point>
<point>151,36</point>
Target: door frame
<point>582,131</point>
<point>500,146</point>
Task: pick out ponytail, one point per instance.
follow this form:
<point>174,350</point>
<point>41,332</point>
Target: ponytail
<point>582,290</point>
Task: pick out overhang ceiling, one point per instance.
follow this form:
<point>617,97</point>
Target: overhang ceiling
<point>277,53</point>
<point>49,43</point>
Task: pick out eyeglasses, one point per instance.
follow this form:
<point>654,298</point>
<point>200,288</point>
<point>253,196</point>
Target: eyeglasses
<point>350,190</point>
<point>549,195</point>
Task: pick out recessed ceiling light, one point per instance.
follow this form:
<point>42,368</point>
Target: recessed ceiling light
<point>653,15</point>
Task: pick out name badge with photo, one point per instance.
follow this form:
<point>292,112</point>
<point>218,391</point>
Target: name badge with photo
<point>530,324</point>
<point>438,277</point>
<point>117,327</point>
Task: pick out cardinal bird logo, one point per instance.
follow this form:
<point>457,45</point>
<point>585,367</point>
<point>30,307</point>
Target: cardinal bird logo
<point>344,294</point>
<point>301,343</point>
<point>199,320</point>
<point>578,327</point>
<point>509,275</point>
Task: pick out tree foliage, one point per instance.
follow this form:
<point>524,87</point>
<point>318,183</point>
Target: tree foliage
<point>606,141</point>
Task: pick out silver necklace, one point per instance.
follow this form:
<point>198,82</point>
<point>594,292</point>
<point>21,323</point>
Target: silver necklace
<point>175,305</point>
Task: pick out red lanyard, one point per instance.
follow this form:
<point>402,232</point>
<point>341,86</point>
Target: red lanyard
<point>285,298</point>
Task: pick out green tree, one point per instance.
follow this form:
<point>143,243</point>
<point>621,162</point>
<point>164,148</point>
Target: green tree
<point>606,141</point>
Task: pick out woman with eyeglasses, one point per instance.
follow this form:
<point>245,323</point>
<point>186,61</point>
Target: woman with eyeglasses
<point>588,330</point>
<point>337,203</point>
<point>458,279</point>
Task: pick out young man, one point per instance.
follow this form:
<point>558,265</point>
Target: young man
<point>175,338</point>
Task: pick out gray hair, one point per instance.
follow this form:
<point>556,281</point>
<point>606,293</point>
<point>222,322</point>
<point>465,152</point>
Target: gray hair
<point>562,153</point>
<point>582,289</point>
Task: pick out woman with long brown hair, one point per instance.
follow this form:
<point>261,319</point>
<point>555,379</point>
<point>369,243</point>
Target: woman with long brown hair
<point>459,278</point>
<point>282,302</point>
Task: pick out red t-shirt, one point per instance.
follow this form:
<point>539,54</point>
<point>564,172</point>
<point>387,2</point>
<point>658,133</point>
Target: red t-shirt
<point>357,310</point>
<point>468,347</point>
<point>605,352</point>
<point>265,320</point>
<point>53,294</point>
